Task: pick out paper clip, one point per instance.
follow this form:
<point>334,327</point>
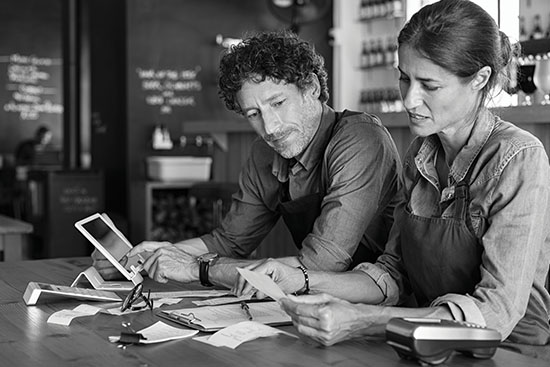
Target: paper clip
<point>189,318</point>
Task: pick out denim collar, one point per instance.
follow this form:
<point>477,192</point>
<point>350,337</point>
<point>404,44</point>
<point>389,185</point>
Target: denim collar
<point>483,127</point>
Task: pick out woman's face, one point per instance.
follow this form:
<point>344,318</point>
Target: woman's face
<point>436,100</point>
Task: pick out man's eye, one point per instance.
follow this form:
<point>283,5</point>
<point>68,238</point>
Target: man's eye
<point>278,103</point>
<point>251,115</point>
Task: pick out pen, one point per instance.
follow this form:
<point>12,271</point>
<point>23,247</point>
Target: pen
<point>246,309</point>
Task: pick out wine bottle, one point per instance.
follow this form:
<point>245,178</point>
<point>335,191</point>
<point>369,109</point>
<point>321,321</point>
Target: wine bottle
<point>537,29</point>
<point>364,62</point>
<point>523,36</point>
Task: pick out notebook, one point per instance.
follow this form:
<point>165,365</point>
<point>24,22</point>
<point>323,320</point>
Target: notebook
<point>213,318</point>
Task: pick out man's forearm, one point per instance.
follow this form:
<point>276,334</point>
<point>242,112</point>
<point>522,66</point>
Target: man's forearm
<point>224,271</point>
<point>194,246</point>
<point>353,286</point>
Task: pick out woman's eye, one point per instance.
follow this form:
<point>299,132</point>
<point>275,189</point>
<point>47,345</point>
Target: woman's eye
<point>430,87</point>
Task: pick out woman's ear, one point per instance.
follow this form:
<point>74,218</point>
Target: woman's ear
<point>481,78</point>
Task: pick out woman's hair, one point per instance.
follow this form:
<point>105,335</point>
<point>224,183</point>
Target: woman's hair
<point>461,37</point>
<point>279,55</point>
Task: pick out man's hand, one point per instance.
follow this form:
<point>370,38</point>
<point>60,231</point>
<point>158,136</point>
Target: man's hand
<point>104,266</point>
<point>167,262</point>
<point>290,279</point>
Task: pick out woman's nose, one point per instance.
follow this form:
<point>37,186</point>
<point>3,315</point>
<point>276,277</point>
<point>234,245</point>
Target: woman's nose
<point>411,97</point>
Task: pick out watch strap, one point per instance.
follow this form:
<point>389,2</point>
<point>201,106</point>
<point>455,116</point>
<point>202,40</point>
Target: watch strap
<point>203,273</point>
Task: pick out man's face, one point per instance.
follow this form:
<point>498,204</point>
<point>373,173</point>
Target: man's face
<point>283,115</point>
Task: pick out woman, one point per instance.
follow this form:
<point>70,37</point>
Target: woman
<point>471,235</point>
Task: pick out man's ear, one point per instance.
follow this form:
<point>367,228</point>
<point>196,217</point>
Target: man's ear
<point>314,86</point>
<point>481,78</point>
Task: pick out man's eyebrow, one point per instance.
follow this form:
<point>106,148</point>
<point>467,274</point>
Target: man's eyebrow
<point>267,100</point>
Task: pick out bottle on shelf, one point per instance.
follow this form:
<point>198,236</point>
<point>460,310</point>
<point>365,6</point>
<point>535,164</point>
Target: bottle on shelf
<point>397,8</point>
<point>547,35</point>
<point>523,36</point>
<point>537,33</point>
<point>380,54</point>
<point>372,54</point>
<point>364,61</point>
<point>391,52</point>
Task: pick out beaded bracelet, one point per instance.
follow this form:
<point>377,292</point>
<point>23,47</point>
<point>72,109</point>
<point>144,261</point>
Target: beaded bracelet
<point>306,277</point>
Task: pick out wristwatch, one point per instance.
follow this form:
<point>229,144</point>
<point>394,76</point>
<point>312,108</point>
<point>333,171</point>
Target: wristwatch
<point>205,260</point>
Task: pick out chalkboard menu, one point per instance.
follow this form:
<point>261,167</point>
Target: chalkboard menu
<point>30,70</point>
<point>167,89</point>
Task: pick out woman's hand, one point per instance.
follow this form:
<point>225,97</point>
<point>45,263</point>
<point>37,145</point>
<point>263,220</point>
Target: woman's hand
<point>328,320</point>
<point>288,278</point>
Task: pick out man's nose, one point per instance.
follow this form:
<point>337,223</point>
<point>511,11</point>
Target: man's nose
<point>272,121</point>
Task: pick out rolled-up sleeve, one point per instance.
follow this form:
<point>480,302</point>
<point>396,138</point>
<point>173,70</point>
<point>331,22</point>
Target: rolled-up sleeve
<point>362,170</point>
<point>388,272</point>
<point>513,245</point>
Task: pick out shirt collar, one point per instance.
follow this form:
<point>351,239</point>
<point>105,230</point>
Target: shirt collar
<point>481,131</point>
<point>313,152</point>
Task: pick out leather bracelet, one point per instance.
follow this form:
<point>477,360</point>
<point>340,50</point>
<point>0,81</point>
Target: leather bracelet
<point>306,277</point>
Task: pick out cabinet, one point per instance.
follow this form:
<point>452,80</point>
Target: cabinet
<point>174,211</point>
<point>57,200</point>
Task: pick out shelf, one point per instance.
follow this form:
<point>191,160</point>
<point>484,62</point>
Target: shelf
<point>378,67</point>
<point>537,114</point>
<point>167,185</point>
<point>396,16</point>
<point>534,47</point>
<point>216,126</point>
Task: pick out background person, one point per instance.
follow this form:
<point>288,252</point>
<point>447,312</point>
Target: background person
<point>25,151</point>
<point>471,236</point>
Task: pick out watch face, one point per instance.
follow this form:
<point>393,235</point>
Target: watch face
<point>209,256</point>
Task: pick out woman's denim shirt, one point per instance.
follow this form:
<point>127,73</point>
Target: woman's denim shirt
<point>509,210</point>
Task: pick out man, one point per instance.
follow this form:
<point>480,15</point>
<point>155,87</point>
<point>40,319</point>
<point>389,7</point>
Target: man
<point>331,176</point>
<point>26,150</point>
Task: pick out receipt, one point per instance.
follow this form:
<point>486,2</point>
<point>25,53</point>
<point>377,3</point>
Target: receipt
<point>263,283</point>
<point>234,335</point>
<point>64,317</point>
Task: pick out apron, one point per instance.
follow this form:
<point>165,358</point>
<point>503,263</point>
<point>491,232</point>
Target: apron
<point>300,214</point>
<point>442,255</point>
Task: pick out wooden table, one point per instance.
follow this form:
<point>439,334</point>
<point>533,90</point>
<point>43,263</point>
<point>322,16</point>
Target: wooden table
<point>26,339</point>
<point>14,238</point>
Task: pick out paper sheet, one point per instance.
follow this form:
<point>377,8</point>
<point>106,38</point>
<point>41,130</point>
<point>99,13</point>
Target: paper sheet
<point>222,300</point>
<point>234,335</point>
<point>182,294</point>
<point>64,317</point>
<point>263,283</point>
<point>160,332</point>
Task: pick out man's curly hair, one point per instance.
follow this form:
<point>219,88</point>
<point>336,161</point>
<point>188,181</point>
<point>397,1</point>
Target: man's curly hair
<point>278,55</point>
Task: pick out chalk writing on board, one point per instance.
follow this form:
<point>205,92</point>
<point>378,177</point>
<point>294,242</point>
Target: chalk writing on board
<point>169,88</point>
<point>28,82</point>
<point>78,199</point>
